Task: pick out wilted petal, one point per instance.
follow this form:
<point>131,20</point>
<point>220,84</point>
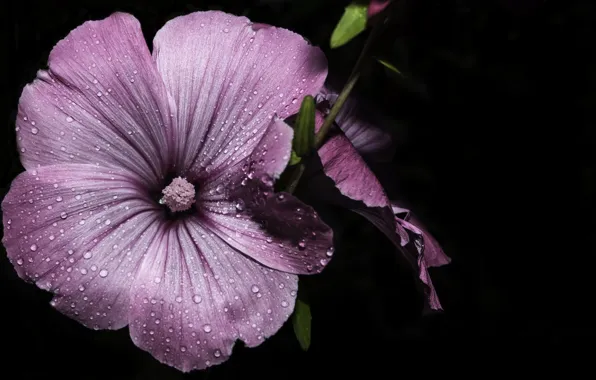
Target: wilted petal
<point>277,230</point>
<point>434,256</point>
<point>195,296</point>
<point>428,251</point>
<point>80,232</point>
<point>101,102</point>
<point>228,80</point>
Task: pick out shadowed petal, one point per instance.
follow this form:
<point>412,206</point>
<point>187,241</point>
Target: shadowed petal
<point>101,102</point>
<point>363,125</point>
<point>228,80</point>
<point>195,296</point>
<point>277,230</point>
<point>79,231</point>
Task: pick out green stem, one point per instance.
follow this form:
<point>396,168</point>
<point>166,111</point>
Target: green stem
<point>298,170</point>
<point>295,177</point>
<point>349,86</point>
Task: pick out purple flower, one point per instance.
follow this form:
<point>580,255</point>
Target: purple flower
<point>353,185</point>
<point>148,197</point>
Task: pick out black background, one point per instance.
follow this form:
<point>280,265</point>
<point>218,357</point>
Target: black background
<point>496,126</point>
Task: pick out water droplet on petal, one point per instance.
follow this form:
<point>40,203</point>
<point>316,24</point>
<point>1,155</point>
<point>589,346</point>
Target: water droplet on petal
<point>217,353</point>
<point>330,251</point>
<point>34,130</point>
<point>103,273</point>
<point>197,299</point>
<point>284,304</point>
<point>69,119</point>
<point>33,247</point>
<point>255,289</point>
<point>301,245</point>
<point>88,255</point>
<point>207,328</point>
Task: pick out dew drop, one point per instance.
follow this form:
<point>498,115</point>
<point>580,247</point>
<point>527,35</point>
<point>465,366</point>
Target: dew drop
<point>178,299</point>
<point>284,304</point>
<point>33,247</point>
<point>69,119</point>
<point>63,215</point>
<point>301,245</point>
<point>197,299</point>
<point>103,273</point>
<point>330,251</point>
<point>219,189</point>
<point>207,328</point>
<point>34,130</point>
<point>20,261</point>
<point>255,289</point>
<point>107,222</point>
<point>88,255</point>
<point>83,271</point>
<point>59,199</point>
<point>217,353</point>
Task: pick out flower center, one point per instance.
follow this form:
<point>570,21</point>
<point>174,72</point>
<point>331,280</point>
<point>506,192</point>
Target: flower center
<point>178,195</point>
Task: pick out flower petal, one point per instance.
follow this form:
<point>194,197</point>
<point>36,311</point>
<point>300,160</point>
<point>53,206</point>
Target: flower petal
<point>342,163</point>
<point>277,230</point>
<point>79,231</point>
<point>425,247</point>
<point>195,296</point>
<point>102,101</point>
<point>434,256</point>
<point>228,80</point>
<point>363,125</point>
<point>377,6</point>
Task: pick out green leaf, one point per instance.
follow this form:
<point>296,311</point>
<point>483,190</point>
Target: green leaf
<point>389,66</point>
<point>294,158</point>
<point>304,128</point>
<point>301,322</point>
<point>351,24</point>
